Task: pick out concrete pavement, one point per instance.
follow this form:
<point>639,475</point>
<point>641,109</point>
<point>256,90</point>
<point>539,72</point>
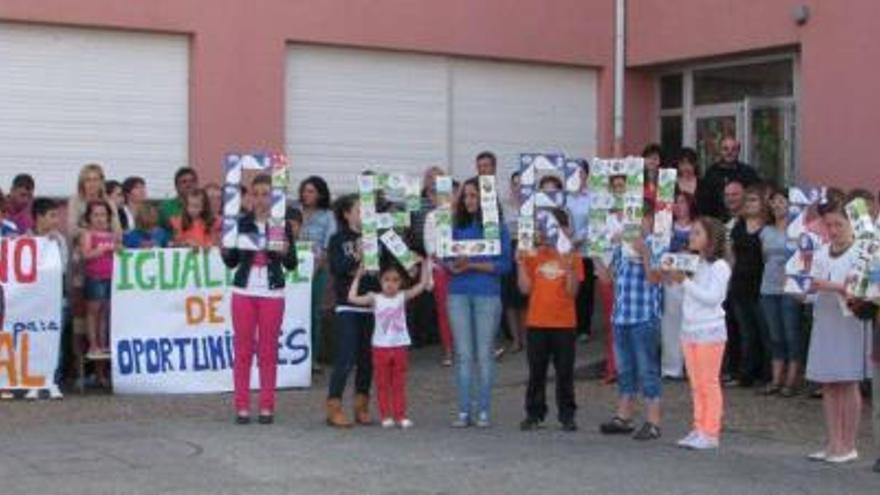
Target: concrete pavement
<point>110,444</point>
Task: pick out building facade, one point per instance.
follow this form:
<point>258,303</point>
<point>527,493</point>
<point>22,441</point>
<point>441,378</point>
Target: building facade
<point>145,86</point>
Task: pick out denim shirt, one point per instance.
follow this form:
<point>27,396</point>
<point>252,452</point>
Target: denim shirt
<point>318,228</point>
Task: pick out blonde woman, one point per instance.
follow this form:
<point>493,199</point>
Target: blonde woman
<point>90,187</point>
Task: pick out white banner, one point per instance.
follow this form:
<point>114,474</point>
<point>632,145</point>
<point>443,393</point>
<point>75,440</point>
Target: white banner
<point>171,328</point>
<point>30,312</point>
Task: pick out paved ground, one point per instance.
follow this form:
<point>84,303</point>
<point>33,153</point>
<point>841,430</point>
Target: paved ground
<point>104,444</point>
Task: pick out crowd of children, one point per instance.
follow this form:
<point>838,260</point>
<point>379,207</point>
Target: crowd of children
<point>729,321</point>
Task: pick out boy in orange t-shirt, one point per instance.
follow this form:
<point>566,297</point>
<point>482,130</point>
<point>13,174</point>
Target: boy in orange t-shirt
<point>551,280</point>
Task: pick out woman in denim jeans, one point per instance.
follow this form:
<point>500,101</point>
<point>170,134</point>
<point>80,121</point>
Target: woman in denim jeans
<point>782,312</point>
<point>474,307</point>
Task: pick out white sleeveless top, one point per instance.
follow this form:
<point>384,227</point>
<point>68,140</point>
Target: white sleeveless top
<point>390,313</point>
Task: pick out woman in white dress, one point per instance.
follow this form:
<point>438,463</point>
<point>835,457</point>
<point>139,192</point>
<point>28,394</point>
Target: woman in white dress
<point>840,344</point>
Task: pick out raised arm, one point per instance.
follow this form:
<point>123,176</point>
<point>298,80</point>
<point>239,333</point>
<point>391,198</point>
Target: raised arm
<point>421,285</point>
<point>523,279</point>
<point>353,296</point>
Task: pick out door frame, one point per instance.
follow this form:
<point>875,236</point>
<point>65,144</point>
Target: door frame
<point>689,112</point>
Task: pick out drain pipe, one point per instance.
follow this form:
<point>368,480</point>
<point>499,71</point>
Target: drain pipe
<point>619,65</point>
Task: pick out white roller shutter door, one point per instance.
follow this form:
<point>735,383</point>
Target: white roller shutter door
<point>513,108</point>
<point>70,96</point>
<point>349,109</point>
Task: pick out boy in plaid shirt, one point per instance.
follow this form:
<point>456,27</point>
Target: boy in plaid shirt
<point>636,322</point>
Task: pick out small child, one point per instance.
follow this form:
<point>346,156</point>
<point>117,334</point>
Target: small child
<point>46,222</point>
<point>703,330</point>
<point>551,280</point>
<point>196,227</point>
<point>97,244</point>
<point>390,339</point>
<point>636,322</point>
<point>147,232</point>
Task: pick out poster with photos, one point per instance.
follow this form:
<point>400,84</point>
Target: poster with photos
<point>400,196</point>
<point>802,239</point>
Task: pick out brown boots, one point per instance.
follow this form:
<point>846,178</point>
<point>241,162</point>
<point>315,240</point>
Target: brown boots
<point>335,416</point>
<point>362,409</point>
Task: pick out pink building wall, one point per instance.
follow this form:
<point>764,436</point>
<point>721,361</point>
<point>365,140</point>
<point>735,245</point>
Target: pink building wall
<point>839,78</point>
<point>838,73</point>
<point>234,37</point>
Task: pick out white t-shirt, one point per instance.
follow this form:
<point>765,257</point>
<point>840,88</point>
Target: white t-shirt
<point>390,314</point>
<point>258,279</point>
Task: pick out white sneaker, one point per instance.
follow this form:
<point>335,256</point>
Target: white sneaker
<point>406,424</point>
<point>55,392</point>
<point>32,394</point>
<point>704,442</point>
<point>483,420</point>
<point>818,456</point>
<point>7,395</point>
<point>687,441</point>
<point>387,423</point>
<point>850,456</point>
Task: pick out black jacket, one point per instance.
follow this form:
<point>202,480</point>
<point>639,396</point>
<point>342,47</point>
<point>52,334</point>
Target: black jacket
<point>710,189</point>
<point>243,259</point>
<point>344,264</point>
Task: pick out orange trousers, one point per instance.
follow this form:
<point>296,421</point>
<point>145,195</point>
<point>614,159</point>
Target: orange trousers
<point>703,363</point>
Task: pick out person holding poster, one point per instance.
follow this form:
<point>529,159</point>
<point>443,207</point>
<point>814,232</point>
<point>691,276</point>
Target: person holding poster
<point>839,344</point>
<point>475,306</point>
<point>703,330</point>
<point>354,325</point>
<point>391,339</point>
<point>258,305</point>
<point>551,279</point>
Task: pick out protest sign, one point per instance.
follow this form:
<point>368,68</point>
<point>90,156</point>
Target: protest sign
<point>616,210</point>
<point>802,241</point>
<point>490,243</point>
<point>172,330</point>
<point>867,245</point>
<point>400,197</point>
<point>534,203</point>
<point>30,312</point>
<point>235,167</point>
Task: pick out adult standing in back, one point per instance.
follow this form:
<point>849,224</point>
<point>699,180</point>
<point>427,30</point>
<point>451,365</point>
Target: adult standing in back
<point>185,181</point>
<point>710,193</point>
<point>19,200</point>
<point>318,226</point>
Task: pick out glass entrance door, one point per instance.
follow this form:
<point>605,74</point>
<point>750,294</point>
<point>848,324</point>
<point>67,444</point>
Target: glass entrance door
<point>768,142</point>
<point>711,124</point>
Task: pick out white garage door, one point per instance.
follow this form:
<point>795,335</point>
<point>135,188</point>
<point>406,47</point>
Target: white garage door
<point>352,109</point>
<point>516,108</point>
<point>71,96</point>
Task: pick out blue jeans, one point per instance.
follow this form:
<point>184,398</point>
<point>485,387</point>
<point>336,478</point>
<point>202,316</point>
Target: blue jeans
<point>474,321</point>
<point>354,334</point>
<point>637,349</point>
<point>782,315</point>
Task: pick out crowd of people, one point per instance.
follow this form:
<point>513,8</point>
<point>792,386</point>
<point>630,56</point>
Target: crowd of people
<point>730,323</point>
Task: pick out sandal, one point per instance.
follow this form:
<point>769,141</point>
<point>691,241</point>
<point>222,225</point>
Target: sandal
<point>648,431</point>
<point>617,426</point>
<point>788,392</point>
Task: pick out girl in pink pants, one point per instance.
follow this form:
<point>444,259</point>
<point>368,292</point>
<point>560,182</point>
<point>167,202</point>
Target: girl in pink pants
<point>258,304</point>
<point>703,332</point>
